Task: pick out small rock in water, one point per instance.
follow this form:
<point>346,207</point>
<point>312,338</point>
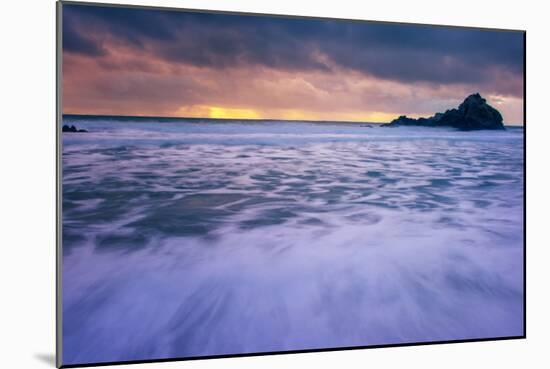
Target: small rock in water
<point>67,128</point>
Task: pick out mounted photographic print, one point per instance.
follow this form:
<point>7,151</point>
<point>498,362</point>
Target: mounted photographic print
<point>238,184</point>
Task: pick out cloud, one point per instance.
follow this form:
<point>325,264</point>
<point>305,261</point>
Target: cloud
<point>254,92</point>
<point>408,53</point>
<point>75,42</point>
<point>153,62</point>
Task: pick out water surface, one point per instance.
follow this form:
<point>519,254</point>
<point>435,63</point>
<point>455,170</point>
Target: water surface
<point>197,238</point>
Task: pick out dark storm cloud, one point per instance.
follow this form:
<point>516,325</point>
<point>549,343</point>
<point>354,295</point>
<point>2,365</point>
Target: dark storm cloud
<point>433,54</point>
<point>405,53</point>
<point>76,42</point>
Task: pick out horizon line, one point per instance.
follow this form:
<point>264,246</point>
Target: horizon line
<point>208,118</point>
<point>242,119</point>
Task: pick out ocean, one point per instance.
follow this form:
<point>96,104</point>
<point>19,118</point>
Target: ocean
<point>203,237</point>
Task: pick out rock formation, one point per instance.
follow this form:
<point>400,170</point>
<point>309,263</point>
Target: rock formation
<point>473,114</point>
<point>67,128</point>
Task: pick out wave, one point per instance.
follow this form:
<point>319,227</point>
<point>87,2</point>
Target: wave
<point>213,248</point>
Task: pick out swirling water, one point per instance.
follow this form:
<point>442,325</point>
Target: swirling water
<point>201,238</point>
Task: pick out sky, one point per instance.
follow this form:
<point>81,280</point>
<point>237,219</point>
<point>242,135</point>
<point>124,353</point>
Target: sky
<point>149,62</point>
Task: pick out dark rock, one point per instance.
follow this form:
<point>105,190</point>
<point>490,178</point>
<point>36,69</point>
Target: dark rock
<point>67,128</point>
<point>473,114</point>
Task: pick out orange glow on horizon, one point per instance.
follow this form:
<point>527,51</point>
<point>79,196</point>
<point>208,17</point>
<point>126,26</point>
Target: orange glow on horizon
<point>232,113</point>
<point>220,112</point>
<point>217,112</point>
